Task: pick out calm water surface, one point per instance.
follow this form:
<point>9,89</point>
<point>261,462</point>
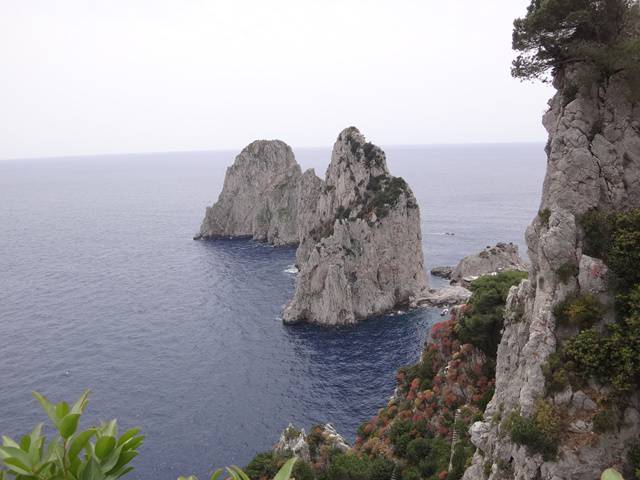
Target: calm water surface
<point>102,287</point>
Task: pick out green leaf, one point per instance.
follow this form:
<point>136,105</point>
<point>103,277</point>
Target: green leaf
<point>36,444</point>
<point>285,472</point>
<point>110,464</point>
<point>92,471</point>
<point>240,474</point>
<point>79,441</point>
<point>47,406</point>
<point>16,454</point>
<point>133,443</point>
<point>68,425</point>
<point>129,434</point>
<point>611,474</point>
<point>80,405</point>
<point>8,442</point>
<point>62,409</point>
<point>215,475</point>
<point>125,457</point>
<point>25,443</point>
<point>109,428</point>
<point>17,466</point>
<point>104,446</point>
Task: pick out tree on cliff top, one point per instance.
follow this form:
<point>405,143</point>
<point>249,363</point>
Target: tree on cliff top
<point>554,33</point>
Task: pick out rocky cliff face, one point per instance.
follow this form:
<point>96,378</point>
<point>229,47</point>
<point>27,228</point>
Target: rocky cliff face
<point>593,162</point>
<point>360,253</point>
<point>259,198</point>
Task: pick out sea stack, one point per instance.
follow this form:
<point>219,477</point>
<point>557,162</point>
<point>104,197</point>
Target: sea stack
<point>358,231</point>
<point>362,253</point>
<point>260,196</point>
<point>593,166</point>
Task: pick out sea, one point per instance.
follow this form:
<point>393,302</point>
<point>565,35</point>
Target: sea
<point>103,288</point>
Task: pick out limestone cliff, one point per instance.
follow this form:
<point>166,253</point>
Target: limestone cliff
<point>593,162</point>
<point>358,231</point>
<point>260,196</point>
<point>361,252</point>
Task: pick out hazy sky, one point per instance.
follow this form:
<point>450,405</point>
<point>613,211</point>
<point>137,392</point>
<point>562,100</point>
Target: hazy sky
<point>112,76</point>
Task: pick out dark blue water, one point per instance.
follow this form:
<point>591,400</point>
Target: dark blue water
<point>102,287</point>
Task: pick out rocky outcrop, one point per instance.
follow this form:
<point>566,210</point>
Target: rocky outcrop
<point>263,195</point>
<point>442,272</point>
<point>444,297</point>
<point>593,161</point>
<point>501,257</point>
<point>321,439</point>
<point>358,231</point>
<point>361,252</point>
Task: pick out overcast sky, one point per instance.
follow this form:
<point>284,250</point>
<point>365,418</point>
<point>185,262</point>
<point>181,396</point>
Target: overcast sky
<point>113,76</point>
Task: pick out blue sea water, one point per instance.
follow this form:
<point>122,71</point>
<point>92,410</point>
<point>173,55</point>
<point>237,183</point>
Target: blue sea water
<point>101,287</point>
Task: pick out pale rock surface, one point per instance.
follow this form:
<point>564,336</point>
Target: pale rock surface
<point>296,442</point>
<point>293,442</point>
<point>259,197</point>
<point>501,257</point>
<point>593,161</point>
<point>446,296</point>
<point>361,252</point>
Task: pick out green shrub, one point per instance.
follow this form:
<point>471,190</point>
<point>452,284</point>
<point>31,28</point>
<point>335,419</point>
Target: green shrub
<point>615,238</point>
<point>612,359</point>
<point>263,465</point>
<point>348,466</point>
<point>597,228</point>
<point>481,325</point>
<point>556,376</point>
<point>540,432</point>
<point>411,473</point>
<point>604,421</point>
<point>417,449</point>
<point>302,471</point>
<point>567,271</point>
<point>579,310</point>
<point>460,460</point>
<point>544,216</point>
<point>97,453</point>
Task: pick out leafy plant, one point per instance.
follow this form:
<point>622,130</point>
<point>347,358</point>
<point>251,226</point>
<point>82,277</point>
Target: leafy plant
<point>544,216</point>
<point>93,454</point>
<point>348,466</point>
<point>540,432</point>
<point>579,310</point>
<point>482,322</point>
<point>612,359</point>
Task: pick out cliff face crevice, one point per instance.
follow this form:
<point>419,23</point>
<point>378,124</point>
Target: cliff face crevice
<point>593,163</point>
<point>358,231</point>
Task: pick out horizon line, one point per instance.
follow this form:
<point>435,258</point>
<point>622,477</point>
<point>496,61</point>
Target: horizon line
<point>238,150</point>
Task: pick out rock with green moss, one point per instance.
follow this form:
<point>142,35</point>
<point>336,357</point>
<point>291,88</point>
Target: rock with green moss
<point>362,253</point>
